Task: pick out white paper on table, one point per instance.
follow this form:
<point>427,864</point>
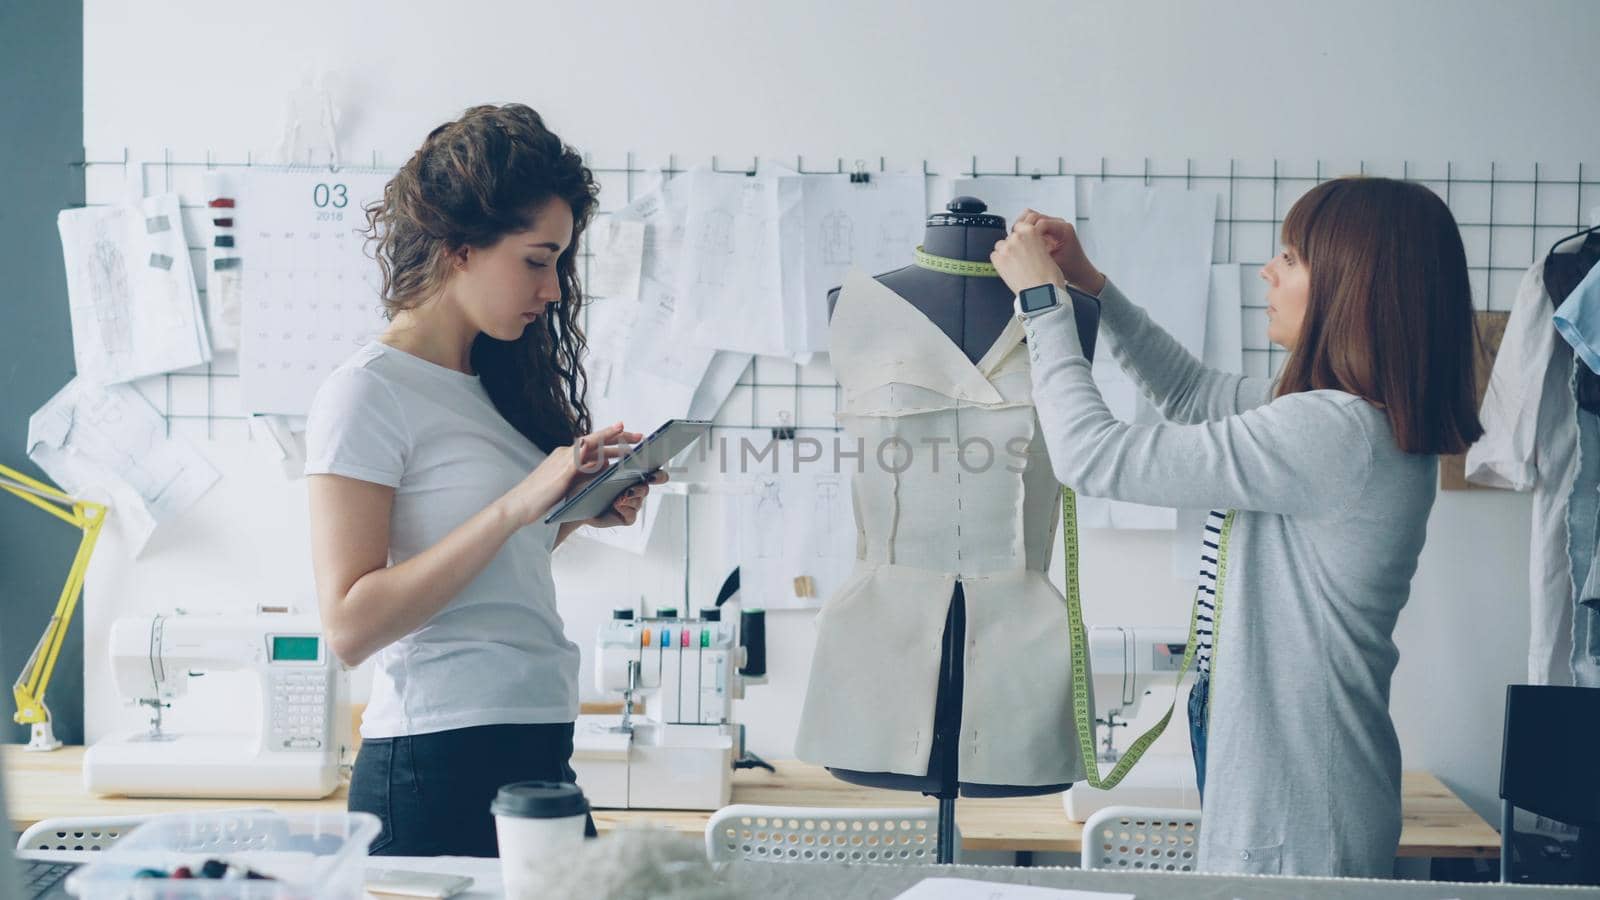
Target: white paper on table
<point>730,287</point>
<point>131,291</point>
<point>311,294</point>
<point>1155,244</point>
<point>968,889</point>
<point>109,442</point>
<point>1225,353</point>
<point>873,226</point>
<point>618,259</point>
<point>1008,195</point>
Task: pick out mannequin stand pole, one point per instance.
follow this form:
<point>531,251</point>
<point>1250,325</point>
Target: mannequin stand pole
<point>946,849</point>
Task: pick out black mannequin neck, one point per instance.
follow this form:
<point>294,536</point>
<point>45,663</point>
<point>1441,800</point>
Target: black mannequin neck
<point>961,242</point>
<point>971,311</point>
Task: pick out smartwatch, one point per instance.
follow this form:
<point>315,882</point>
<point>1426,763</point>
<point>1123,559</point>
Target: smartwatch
<point>1036,301</point>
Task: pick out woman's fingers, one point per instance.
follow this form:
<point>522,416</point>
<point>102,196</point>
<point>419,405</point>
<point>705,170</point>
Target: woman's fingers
<point>608,443</point>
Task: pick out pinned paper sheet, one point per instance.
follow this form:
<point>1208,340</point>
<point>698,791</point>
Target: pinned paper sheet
<point>224,276</point>
<point>109,443</point>
<point>1225,319</point>
<point>1008,195</point>
<point>311,294</point>
<point>1225,353</point>
<point>729,291</point>
<point>618,258</point>
<point>283,439</point>
<point>638,374</point>
<point>131,291</point>
<point>1156,245</point>
<point>796,523</point>
<point>841,225</point>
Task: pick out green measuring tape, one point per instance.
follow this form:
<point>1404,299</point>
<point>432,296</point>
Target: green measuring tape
<point>1080,651</point>
<point>950,266</point>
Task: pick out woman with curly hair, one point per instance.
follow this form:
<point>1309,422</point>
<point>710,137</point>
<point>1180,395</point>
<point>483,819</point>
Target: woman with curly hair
<point>433,455</point>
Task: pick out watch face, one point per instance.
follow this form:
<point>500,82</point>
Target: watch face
<point>1035,299</point>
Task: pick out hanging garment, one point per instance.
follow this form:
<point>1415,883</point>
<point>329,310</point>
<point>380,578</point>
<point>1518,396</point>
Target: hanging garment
<point>953,486</point>
<point>1531,417</point>
<point>1573,280</point>
<point>1570,280</point>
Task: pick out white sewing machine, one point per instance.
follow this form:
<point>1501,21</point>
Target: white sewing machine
<point>678,753</point>
<point>1127,665</point>
<point>292,751</point>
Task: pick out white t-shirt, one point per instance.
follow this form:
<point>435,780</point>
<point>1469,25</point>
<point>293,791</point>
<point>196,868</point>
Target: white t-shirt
<point>496,653</point>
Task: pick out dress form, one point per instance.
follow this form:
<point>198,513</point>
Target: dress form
<point>972,312</point>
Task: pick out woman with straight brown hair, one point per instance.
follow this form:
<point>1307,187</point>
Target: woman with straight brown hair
<point>1330,471</point>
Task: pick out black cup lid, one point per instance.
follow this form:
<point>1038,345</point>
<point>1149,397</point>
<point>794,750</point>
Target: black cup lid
<point>540,800</point>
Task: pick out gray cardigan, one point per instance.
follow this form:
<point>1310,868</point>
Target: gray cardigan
<point>1302,761</point>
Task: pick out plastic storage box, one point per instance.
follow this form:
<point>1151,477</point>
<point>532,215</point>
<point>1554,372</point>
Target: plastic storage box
<point>309,855</point>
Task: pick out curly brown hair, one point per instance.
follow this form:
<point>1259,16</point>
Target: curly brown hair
<point>472,182</point>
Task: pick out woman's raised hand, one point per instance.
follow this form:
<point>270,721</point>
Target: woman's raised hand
<point>1065,250</point>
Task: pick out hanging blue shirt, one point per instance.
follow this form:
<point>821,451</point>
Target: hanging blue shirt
<point>1578,319</point>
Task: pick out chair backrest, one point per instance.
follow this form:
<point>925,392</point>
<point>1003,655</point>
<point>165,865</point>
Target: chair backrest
<point>78,833</point>
<point>1547,760</point>
<point>1547,767</point>
<point>1142,837</point>
<point>824,834</point>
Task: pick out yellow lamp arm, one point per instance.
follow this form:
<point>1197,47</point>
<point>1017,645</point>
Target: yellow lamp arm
<point>29,689</point>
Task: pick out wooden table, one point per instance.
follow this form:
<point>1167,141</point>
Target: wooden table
<point>1437,823</point>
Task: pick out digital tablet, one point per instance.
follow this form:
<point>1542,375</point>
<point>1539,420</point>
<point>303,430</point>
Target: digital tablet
<point>636,467</point>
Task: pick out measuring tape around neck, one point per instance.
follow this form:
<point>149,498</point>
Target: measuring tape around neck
<point>945,264</point>
<point>1080,652</point>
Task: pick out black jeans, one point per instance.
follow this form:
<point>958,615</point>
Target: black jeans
<point>432,791</point>
<point>1199,700</point>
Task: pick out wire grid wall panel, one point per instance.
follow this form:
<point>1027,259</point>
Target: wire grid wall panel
<point>1508,216</point>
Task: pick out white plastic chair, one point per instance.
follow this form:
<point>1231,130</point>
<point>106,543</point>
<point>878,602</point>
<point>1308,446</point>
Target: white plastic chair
<point>94,832</point>
<point>824,834</point>
<point>78,832</point>
<point>1142,837</point>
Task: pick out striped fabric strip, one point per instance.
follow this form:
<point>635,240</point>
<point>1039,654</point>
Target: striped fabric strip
<point>1206,595</point>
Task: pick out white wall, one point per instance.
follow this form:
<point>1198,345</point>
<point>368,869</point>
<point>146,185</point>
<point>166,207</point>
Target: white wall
<point>1473,82</point>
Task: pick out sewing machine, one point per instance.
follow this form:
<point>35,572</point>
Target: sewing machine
<point>1128,664</point>
<point>292,750</point>
<point>679,751</point>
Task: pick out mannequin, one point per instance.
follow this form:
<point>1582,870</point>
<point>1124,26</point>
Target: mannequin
<point>974,314</point>
<point>971,311</point>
